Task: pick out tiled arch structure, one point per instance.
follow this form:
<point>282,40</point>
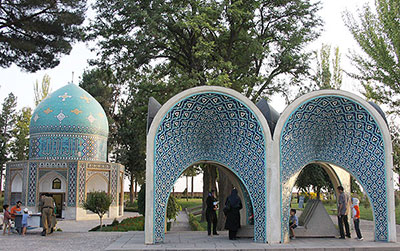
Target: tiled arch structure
<point>206,124</point>
<point>339,128</point>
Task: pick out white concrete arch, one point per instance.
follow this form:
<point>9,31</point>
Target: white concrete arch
<point>16,183</point>
<point>308,107</point>
<point>151,148</point>
<point>97,183</point>
<point>46,182</point>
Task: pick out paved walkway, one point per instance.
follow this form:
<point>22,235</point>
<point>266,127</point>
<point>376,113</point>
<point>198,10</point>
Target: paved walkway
<point>74,236</point>
<point>200,241</point>
<point>181,223</point>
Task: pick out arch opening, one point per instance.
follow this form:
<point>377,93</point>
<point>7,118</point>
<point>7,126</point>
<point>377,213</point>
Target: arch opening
<point>342,131</point>
<point>237,183</point>
<point>205,126</point>
<point>338,176</point>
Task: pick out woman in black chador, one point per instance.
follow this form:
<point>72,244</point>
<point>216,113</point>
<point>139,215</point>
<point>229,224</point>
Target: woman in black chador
<point>211,214</point>
<point>233,205</point>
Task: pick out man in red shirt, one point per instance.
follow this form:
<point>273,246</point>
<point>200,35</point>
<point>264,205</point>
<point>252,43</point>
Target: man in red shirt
<point>16,209</point>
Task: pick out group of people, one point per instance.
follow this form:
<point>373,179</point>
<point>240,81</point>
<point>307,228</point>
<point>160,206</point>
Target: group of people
<point>344,206</point>
<point>9,217</point>
<point>46,205</point>
<point>232,208</point>
<point>233,205</point>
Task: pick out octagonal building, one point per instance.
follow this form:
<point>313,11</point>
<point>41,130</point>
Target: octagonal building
<point>67,157</point>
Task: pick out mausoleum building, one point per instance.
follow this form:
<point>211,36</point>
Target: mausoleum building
<point>67,157</point>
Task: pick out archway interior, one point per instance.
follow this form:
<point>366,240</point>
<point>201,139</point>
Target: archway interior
<point>210,127</point>
<point>340,131</point>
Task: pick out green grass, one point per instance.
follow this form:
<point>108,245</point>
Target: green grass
<point>189,203</point>
<point>195,224</point>
<point>128,224</point>
<point>365,213</point>
<point>131,207</point>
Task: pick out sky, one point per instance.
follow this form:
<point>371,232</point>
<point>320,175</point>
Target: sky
<point>335,33</point>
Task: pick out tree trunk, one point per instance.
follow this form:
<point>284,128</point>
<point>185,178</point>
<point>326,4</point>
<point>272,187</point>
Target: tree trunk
<point>225,187</point>
<point>206,189</point>
<point>209,179</point>
<point>136,185</point>
<point>192,187</point>
<point>131,192</point>
<point>187,188</point>
<point>101,222</point>
<point>1,181</point>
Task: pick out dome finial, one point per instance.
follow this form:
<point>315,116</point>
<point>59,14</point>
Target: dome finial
<point>72,79</point>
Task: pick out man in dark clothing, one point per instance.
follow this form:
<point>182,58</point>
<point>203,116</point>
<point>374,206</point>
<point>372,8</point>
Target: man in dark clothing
<point>211,214</point>
<point>343,210</point>
<point>233,205</point>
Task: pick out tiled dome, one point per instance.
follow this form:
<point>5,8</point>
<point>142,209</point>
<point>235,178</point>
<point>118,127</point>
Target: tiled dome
<point>69,124</point>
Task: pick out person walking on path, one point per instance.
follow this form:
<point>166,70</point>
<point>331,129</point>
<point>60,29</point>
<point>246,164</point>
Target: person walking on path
<point>47,209</point>
<point>356,217</point>
<point>233,205</point>
<point>211,213</point>
<point>343,211</point>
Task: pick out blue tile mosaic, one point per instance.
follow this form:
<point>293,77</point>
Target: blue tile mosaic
<point>210,126</point>
<point>340,131</point>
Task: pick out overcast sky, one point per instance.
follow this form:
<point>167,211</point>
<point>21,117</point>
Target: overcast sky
<point>335,33</point>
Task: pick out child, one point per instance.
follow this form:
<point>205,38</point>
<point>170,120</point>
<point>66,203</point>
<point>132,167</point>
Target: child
<point>6,220</point>
<point>24,221</point>
<point>293,221</point>
<point>356,217</point>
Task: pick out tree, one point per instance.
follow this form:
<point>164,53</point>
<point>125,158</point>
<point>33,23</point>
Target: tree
<point>19,146</point>
<point>142,200</point>
<point>35,34</point>
<point>7,122</point>
<point>191,172</point>
<point>313,177</point>
<point>42,91</point>
<point>99,203</point>
<point>254,47</point>
<point>244,45</point>
<point>377,32</point>
<point>328,76</point>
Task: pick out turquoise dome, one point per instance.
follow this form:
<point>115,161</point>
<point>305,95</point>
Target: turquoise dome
<point>69,124</point>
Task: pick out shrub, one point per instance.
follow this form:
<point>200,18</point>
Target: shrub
<point>141,201</point>
<point>173,208</point>
<point>396,200</point>
<point>99,203</point>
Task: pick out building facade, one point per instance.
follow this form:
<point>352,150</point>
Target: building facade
<point>67,157</point>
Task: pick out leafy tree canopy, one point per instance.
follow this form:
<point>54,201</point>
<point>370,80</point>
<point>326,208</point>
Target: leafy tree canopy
<point>99,203</point>
<point>244,45</point>
<point>35,33</point>
<point>313,177</point>
<point>377,32</point>
<point>19,146</point>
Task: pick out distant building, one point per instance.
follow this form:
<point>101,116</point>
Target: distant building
<point>67,156</point>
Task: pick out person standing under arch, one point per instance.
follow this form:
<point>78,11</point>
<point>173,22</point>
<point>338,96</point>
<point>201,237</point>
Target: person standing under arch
<point>233,205</point>
<point>211,213</point>
<point>343,211</point>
